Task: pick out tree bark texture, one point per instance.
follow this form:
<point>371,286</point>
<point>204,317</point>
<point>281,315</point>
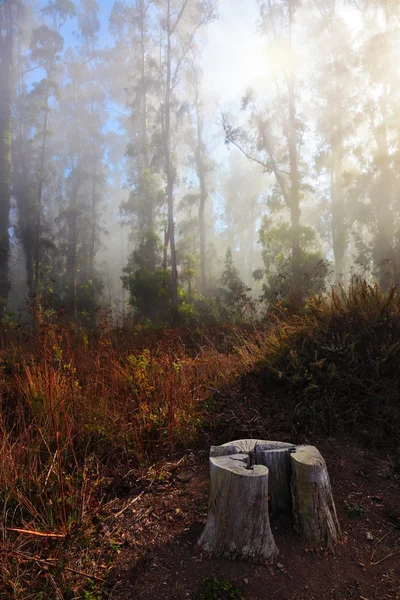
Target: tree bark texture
<point>314,510</point>
<point>6,59</point>
<point>250,477</point>
<point>277,460</point>
<point>238,519</point>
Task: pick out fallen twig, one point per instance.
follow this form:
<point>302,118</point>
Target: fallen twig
<point>384,558</point>
<point>120,512</point>
<point>374,548</point>
<point>37,533</point>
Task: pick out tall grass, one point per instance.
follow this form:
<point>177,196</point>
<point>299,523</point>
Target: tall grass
<point>336,367</point>
<point>76,407</point>
<point>79,409</point>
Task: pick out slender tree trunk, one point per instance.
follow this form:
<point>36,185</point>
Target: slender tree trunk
<point>122,286</point>
<point>22,190</point>
<point>71,264</point>
<point>72,252</point>
<point>250,243</point>
<point>337,205</point>
<point>294,199</point>
<point>384,255</point>
<point>337,200</point>
<point>294,180</point>
<point>38,224</point>
<point>168,162</point>
<point>147,190</point>
<point>203,193</point>
<point>22,184</point>
<point>92,251</point>
<point>6,59</point>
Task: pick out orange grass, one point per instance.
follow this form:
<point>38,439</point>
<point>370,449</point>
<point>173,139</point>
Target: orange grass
<point>79,411</point>
<point>79,407</point>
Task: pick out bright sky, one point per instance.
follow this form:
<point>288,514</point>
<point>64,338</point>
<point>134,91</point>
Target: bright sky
<point>232,56</point>
<point>232,53</point>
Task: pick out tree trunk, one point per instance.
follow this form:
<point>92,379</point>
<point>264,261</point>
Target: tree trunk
<point>38,224</point>
<point>71,264</point>
<point>238,520</point>
<point>294,180</point>
<point>6,59</point>
<point>203,193</point>
<point>92,250</point>
<point>337,200</point>
<point>168,163</point>
<point>243,473</point>
<point>314,510</point>
<point>147,191</point>
<point>384,255</point>
<point>278,462</point>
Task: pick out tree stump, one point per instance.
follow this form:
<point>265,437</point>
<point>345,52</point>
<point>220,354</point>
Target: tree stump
<point>242,474</point>
<point>278,462</point>
<point>314,510</point>
<point>238,519</point>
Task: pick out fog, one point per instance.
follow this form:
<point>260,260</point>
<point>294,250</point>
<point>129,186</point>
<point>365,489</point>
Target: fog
<point>162,157</point>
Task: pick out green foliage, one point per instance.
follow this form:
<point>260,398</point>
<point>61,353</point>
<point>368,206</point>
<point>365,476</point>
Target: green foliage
<point>237,303</point>
<point>148,283</point>
<point>355,510</point>
<point>219,589</point>
<point>277,242</point>
<point>196,309</point>
<point>87,294</point>
<point>150,293</point>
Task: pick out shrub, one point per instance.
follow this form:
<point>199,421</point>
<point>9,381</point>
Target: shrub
<point>337,365</point>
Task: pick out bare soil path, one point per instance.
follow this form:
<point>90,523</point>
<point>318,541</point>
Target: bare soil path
<point>159,559</point>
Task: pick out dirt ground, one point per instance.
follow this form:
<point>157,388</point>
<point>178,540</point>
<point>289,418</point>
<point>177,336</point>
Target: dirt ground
<point>157,532</point>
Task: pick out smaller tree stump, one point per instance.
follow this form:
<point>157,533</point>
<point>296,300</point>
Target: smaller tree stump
<point>314,511</point>
<point>278,462</point>
<point>238,520</point>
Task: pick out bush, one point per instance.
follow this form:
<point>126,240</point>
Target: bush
<point>338,363</point>
<point>219,589</point>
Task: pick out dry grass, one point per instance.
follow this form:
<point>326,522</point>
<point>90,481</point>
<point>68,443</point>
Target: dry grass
<point>335,368</point>
<point>79,410</point>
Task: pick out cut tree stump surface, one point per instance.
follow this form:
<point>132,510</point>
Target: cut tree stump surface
<point>251,478</point>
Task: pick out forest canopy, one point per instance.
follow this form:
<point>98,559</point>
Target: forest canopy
<point>196,160</point>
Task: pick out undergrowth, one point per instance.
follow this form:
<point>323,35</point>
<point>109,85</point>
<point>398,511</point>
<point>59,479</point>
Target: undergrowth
<point>219,589</point>
<point>79,410</point>
<point>336,367</point>
<point>82,409</point>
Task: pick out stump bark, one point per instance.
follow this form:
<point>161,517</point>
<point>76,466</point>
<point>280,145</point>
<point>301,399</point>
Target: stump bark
<point>249,477</point>
<point>314,511</point>
<point>238,518</point>
<point>278,462</point>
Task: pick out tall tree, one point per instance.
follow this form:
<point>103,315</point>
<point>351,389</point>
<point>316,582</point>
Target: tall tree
<point>134,29</point>
<point>7,9</point>
<point>375,187</point>
<point>275,138</point>
<point>201,161</point>
<point>334,86</point>
<point>82,107</point>
<point>46,46</point>
<point>180,22</point>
